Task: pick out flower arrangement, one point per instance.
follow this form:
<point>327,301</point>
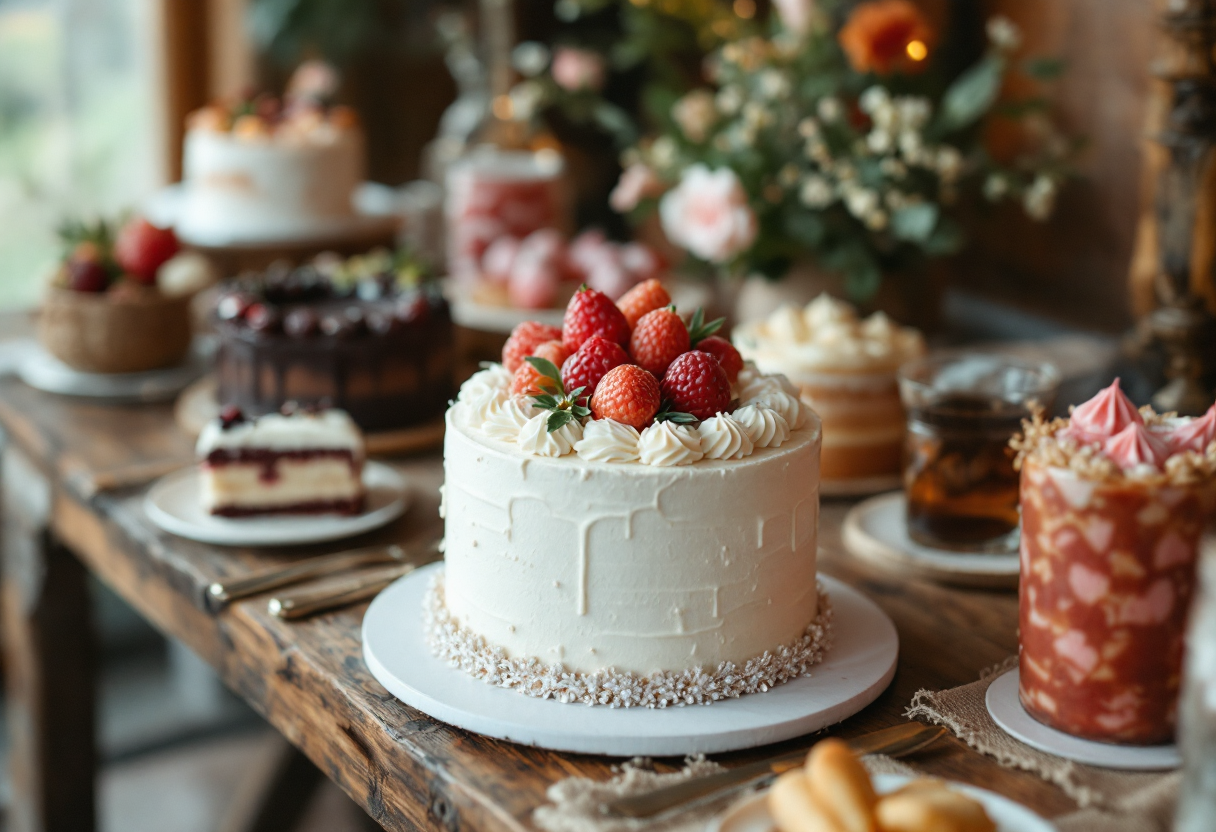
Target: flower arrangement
<point>834,134</point>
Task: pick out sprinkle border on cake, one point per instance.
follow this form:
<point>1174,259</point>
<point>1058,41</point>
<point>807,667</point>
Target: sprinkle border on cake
<point>459,647</point>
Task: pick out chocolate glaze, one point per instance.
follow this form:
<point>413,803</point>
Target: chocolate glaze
<point>395,374</point>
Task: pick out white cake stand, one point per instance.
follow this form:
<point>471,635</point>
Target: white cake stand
<point>877,531</point>
<point>1005,708</point>
<point>858,667</point>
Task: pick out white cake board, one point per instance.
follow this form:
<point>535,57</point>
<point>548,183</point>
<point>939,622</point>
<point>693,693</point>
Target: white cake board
<point>858,667</point>
<point>1005,707</point>
<point>751,813</point>
<point>174,503</point>
<point>877,531</point>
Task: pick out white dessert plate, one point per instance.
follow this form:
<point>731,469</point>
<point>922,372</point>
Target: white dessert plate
<point>751,813</point>
<point>877,531</point>
<point>485,317</point>
<point>858,667</point>
<point>375,211</point>
<point>42,371</point>
<point>860,487</point>
<point>174,504</point>
<point>1005,708</point>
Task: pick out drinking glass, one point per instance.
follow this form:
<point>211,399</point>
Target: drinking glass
<point>1197,710</point>
<point>963,408</point>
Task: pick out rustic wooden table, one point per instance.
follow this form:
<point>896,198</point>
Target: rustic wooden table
<point>75,474</point>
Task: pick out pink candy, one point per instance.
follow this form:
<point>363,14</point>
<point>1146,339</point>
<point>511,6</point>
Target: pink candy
<point>1136,445</point>
<point>1105,415</point>
<point>1194,435</point>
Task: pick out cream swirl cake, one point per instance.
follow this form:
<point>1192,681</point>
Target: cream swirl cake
<point>647,557</point>
<point>291,463</point>
<point>844,367</point>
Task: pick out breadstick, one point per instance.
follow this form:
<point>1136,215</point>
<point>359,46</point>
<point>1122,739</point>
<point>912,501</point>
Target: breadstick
<point>932,810</point>
<point>842,785</point>
<point>794,807</point>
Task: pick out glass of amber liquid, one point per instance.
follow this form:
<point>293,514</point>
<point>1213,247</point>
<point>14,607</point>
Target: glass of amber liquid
<point>963,409</point>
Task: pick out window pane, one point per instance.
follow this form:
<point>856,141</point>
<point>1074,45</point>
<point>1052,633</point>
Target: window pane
<point>77,124</point>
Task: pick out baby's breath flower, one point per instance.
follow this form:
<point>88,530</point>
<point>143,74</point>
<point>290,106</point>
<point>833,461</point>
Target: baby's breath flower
<point>995,186</point>
<point>756,115</point>
<point>663,152</point>
<point>1004,33</point>
<point>730,99</point>
<point>872,99</point>
<point>893,168</point>
<point>949,163</point>
<point>914,111</point>
<point>1040,197</point>
<point>829,109</point>
<point>695,113</point>
<point>879,141</point>
<point>861,202</point>
<point>808,128</point>
<point>816,192</point>
<point>773,85</point>
<point>788,175</point>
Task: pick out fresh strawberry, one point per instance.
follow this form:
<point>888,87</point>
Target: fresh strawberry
<point>593,313</point>
<point>587,366</point>
<point>141,249</point>
<point>726,354</point>
<point>524,339</point>
<point>527,380</point>
<point>647,296</point>
<point>659,339</point>
<point>626,394</point>
<point>696,383</point>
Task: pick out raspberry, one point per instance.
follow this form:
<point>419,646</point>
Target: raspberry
<point>726,354</point>
<point>696,383</point>
<point>647,296</point>
<point>524,339</point>
<point>659,339</point>
<point>527,381</point>
<point>587,366</point>
<point>626,394</point>
<point>593,313</point>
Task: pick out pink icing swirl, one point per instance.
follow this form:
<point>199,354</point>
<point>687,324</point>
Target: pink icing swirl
<point>1136,445</point>
<point>1194,434</point>
<point>1104,416</point>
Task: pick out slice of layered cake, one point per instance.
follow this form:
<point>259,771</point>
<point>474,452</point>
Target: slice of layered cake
<point>297,462</point>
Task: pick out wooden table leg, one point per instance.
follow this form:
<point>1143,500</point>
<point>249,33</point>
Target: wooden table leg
<point>48,661</point>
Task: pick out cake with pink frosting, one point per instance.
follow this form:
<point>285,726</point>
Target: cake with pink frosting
<point>1114,501</point>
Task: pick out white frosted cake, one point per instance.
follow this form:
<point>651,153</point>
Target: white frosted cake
<point>597,563</point>
<point>283,177</point>
<point>295,463</point>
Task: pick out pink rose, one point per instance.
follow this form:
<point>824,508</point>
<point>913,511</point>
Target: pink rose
<point>637,182</point>
<point>708,214</point>
<point>575,70</point>
<point>795,14</point>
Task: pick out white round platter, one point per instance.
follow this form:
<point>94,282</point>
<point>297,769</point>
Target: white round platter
<point>858,667</point>
<point>375,211</point>
<point>877,531</point>
<point>751,814</point>
<point>173,503</point>
<point>42,371</point>
<point>1005,708</point>
<point>470,314</point>
<point>860,487</point>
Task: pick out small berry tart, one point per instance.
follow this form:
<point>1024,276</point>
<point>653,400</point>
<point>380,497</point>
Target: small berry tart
<point>631,514</point>
<point>295,462</point>
<point>120,303</point>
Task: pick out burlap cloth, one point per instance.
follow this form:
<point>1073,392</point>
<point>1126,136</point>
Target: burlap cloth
<point>1109,801</point>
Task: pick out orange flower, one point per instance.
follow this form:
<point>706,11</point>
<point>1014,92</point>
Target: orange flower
<point>884,36</point>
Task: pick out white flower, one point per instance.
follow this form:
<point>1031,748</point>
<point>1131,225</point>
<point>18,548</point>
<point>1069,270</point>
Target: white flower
<point>795,14</point>
<point>995,187</point>
<point>913,111</point>
<point>808,128</point>
<point>1040,198</point>
<point>730,99</point>
<point>773,85</point>
<point>816,192</point>
<point>879,141</point>
<point>873,99</point>
<point>663,152</point>
<point>910,144</point>
<point>861,202</point>
<point>1004,33</point>
<point>876,220</point>
<point>788,175</point>
<point>817,151</point>
<point>696,113</point>
<point>829,109</point>
<point>949,163</point>
<point>756,115</point>
<point>530,58</point>
<point>893,168</point>
<point>708,214</point>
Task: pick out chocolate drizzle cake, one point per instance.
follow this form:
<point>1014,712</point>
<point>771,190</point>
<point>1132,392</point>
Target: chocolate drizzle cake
<point>369,336</point>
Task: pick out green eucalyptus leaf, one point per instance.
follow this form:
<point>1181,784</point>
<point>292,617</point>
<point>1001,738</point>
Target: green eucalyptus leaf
<point>1045,69</point>
<point>972,93</point>
<point>915,223</point>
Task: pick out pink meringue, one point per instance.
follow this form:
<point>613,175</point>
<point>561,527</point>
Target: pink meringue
<point>1136,445</point>
<point>1194,434</point>
<point>1102,417</point>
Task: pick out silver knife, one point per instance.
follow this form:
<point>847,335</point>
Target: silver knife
<point>305,602</point>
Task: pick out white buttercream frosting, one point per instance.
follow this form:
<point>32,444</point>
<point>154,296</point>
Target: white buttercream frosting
<point>536,438</point>
<point>827,336</point>
<point>667,444</point>
<point>494,377</point>
<point>764,426</point>
<point>300,430</point>
<point>480,404</point>
<point>505,423</point>
<point>722,437</point>
<point>768,390</point>
<point>607,441</point>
